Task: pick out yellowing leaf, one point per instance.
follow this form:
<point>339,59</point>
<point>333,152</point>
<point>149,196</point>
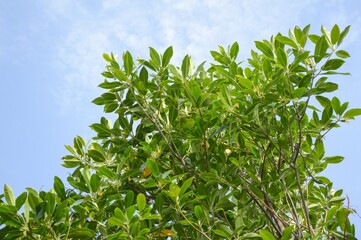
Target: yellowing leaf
<point>165,233</point>
<point>146,172</point>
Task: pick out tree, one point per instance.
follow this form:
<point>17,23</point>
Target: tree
<point>224,151</point>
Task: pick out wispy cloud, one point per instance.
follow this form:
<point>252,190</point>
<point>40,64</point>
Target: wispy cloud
<point>193,27</point>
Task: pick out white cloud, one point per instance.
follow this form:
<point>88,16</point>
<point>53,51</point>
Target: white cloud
<point>193,27</point>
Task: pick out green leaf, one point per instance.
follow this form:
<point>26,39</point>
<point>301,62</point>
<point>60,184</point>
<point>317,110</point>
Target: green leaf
<point>154,58</point>
<point>352,113</point>
<point>314,38</point>
<point>187,183</point>
<point>9,195</point>
<point>40,210</point>
<point>129,198</point>
<point>266,235</point>
<point>328,87</point>
<point>336,199</point>
<point>153,167</point>
<point>334,159</point>
<point>33,198</point>
<point>196,92</point>
<point>107,75</point>
<point>343,35</point>
<point>282,57</point>
<point>264,48</point>
<point>59,187</point>
<point>267,67</point>
<point>342,54</point>
<point>222,233</point>
<point>50,203</point>
<point>114,64</point>
<point>159,202</point>
<point>333,64</point>
<point>108,96</point>
<point>167,55</point>
<point>7,209</point>
<point>82,233</point>
<point>119,215</point>
<point>287,233</point>
<point>20,200</point>
<point>335,34</point>
<point>104,171</point>
<point>175,71</point>
<point>287,41</point>
<point>110,85</point>
<point>300,58</point>
<point>174,190</point>
<point>113,221</point>
<point>324,101</point>
<point>110,107</point>
<point>331,213</point>
<point>95,182</point>
<point>327,35</point>
<point>326,114</point>
<point>128,62</point>
<point>251,235</point>
<point>100,129</point>
<point>300,37</point>
<point>130,211</point>
<point>218,57</point>
<point>336,105</point>
<point>198,212</point>
<point>320,49</point>
<point>141,201</point>
<point>96,155</point>
<point>185,66</point>
<point>342,219</point>
<point>344,106</point>
<point>98,101</point>
<point>234,50</point>
<point>246,83</point>
<point>107,57</point>
<point>119,74</point>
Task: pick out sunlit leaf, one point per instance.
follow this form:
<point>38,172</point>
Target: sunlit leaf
<point>141,201</point>
<point>9,195</point>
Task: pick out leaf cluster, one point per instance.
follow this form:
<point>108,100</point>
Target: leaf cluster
<point>231,150</point>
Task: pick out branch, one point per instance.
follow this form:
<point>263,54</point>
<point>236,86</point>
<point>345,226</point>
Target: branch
<point>264,208</point>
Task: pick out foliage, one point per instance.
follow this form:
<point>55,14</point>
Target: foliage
<point>217,152</point>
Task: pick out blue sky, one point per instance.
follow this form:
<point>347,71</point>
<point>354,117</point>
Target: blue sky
<point>50,64</point>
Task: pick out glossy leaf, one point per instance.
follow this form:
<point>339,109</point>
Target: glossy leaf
<point>333,64</point>
<point>228,150</point>
<point>20,200</point>
<point>185,66</point>
<point>343,35</point>
<point>82,233</point>
<point>266,235</point>
<point>342,54</point>
<point>320,49</point>
<point>153,167</point>
<point>234,50</point>
<point>9,195</point>
<point>352,113</point>
<point>187,183</point>
<point>167,55</point>
<point>334,159</point>
<point>128,62</point>
<point>287,41</point>
<point>264,48</point>
<point>155,57</point>
<point>141,202</point>
<point>335,34</point>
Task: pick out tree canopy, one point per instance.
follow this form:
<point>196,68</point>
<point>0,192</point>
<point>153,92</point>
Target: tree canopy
<point>221,150</point>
